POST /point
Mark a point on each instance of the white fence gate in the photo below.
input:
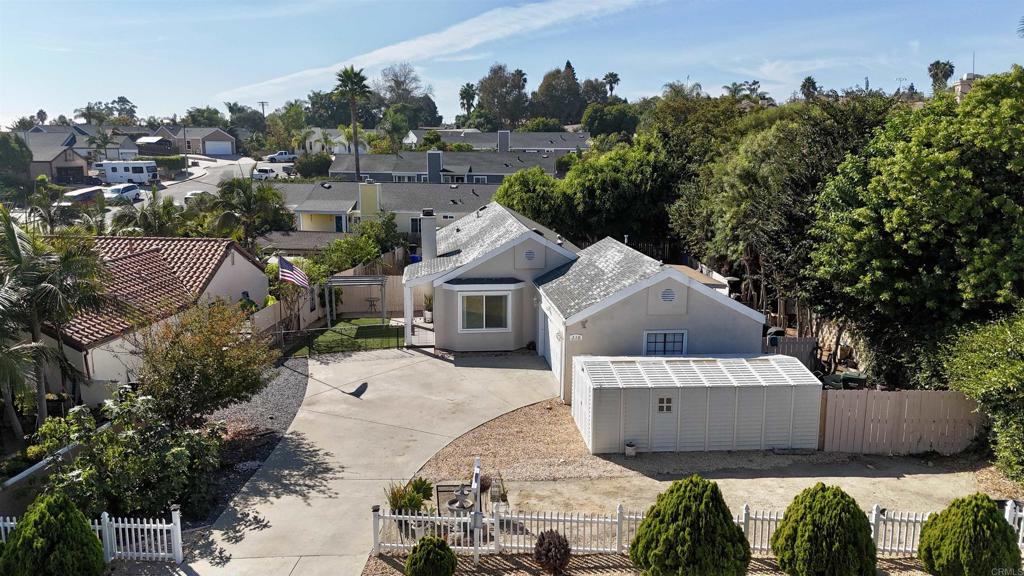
(140, 539)
(896, 534)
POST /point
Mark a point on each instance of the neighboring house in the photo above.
(503, 282)
(437, 167)
(314, 143)
(121, 147)
(298, 242)
(54, 156)
(339, 206)
(199, 140)
(151, 279)
(508, 141)
(962, 86)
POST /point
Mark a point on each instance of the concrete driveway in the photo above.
(367, 418)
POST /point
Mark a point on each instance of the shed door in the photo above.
(664, 419)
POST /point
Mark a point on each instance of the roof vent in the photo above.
(369, 180)
(326, 185)
(558, 240)
(454, 201)
(543, 155)
(538, 231)
(453, 186)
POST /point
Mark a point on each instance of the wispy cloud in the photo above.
(495, 24)
(465, 57)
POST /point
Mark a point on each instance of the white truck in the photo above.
(280, 156)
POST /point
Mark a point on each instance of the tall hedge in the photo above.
(824, 532)
(969, 538)
(431, 556)
(313, 165)
(689, 530)
(168, 163)
(52, 539)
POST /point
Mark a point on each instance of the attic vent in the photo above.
(453, 186)
(668, 295)
(529, 255)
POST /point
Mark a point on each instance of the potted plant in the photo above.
(428, 308)
(630, 449)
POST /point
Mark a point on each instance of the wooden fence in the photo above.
(901, 422)
(800, 348)
(138, 539)
(896, 534)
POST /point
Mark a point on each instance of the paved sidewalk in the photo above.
(307, 511)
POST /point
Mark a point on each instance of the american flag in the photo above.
(288, 272)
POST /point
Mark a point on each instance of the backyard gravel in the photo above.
(253, 430)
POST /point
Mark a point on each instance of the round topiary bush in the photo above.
(52, 539)
(824, 532)
(431, 556)
(552, 552)
(969, 537)
(690, 530)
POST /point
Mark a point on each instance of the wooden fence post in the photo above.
(179, 556)
(620, 519)
(497, 529)
(376, 529)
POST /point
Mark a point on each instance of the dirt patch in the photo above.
(603, 565)
(545, 465)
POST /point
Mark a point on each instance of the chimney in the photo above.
(504, 138)
(369, 200)
(428, 234)
(435, 162)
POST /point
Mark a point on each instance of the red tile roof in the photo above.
(193, 260)
(145, 289)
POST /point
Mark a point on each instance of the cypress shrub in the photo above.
(824, 532)
(52, 539)
(690, 531)
(969, 538)
(431, 556)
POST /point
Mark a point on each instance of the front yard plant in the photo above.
(689, 530)
(552, 552)
(403, 498)
(53, 538)
(970, 538)
(431, 556)
(823, 531)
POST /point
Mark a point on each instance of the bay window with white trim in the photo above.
(485, 311)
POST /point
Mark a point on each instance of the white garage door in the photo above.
(215, 148)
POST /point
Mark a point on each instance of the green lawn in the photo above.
(352, 334)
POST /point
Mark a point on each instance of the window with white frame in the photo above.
(484, 312)
(665, 343)
(480, 179)
(665, 404)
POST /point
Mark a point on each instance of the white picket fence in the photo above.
(896, 534)
(139, 539)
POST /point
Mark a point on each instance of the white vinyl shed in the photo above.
(695, 404)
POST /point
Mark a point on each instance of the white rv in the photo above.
(134, 171)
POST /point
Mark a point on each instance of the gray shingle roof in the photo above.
(468, 238)
(517, 140)
(194, 131)
(46, 146)
(395, 196)
(416, 162)
(313, 197)
(599, 271)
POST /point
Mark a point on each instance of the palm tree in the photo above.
(685, 89)
(246, 208)
(809, 88)
(44, 212)
(940, 73)
(351, 135)
(41, 116)
(16, 355)
(100, 141)
(611, 79)
(159, 217)
(352, 87)
(92, 114)
(734, 89)
(56, 278)
(467, 97)
(327, 142)
(300, 138)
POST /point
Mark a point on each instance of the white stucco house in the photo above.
(501, 281)
(151, 279)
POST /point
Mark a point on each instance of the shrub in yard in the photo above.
(423, 487)
(312, 165)
(824, 532)
(52, 539)
(690, 530)
(970, 537)
(402, 497)
(431, 556)
(552, 552)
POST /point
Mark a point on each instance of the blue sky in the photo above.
(168, 55)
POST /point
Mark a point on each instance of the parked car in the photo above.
(129, 192)
(192, 195)
(280, 156)
(264, 174)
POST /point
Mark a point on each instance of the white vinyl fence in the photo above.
(140, 539)
(896, 534)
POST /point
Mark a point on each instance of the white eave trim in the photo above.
(667, 272)
(484, 287)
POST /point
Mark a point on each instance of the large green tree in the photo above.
(559, 95)
(925, 228)
(501, 96)
(248, 210)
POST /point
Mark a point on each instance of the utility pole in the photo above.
(263, 107)
(901, 80)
